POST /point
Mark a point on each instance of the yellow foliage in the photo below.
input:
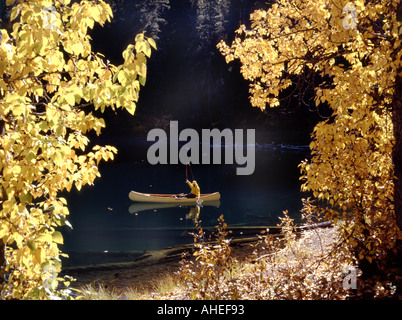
(48, 75)
(355, 46)
(287, 266)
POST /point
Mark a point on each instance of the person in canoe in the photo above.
(195, 189)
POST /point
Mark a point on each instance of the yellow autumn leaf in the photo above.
(53, 74)
(351, 152)
(152, 43)
(130, 107)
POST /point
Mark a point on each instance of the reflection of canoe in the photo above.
(170, 198)
(144, 206)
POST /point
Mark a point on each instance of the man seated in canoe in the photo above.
(195, 189)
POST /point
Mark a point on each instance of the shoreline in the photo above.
(151, 266)
(146, 269)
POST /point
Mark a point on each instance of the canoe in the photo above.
(171, 198)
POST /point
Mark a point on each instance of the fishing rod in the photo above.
(188, 165)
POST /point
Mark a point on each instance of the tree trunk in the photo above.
(3, 260)
(397, 152)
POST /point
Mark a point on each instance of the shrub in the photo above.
(289, 266)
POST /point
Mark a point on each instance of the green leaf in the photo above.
(15, 11)
(31, 245)
(142, 80)
(43, 126)
(30, 156)
(25, 198)
(57, 237)
(38, 46)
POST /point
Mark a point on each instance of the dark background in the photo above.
(188, 79)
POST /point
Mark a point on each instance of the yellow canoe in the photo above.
(171, 198)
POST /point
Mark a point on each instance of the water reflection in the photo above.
(194, 212)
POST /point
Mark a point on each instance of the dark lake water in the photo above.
(108, 228)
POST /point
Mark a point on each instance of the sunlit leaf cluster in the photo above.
(51, 86)
(349, 53)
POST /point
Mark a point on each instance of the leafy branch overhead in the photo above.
(350, 54)
(50, 83)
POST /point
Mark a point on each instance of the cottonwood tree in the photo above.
(52, 89)
(350, 53)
